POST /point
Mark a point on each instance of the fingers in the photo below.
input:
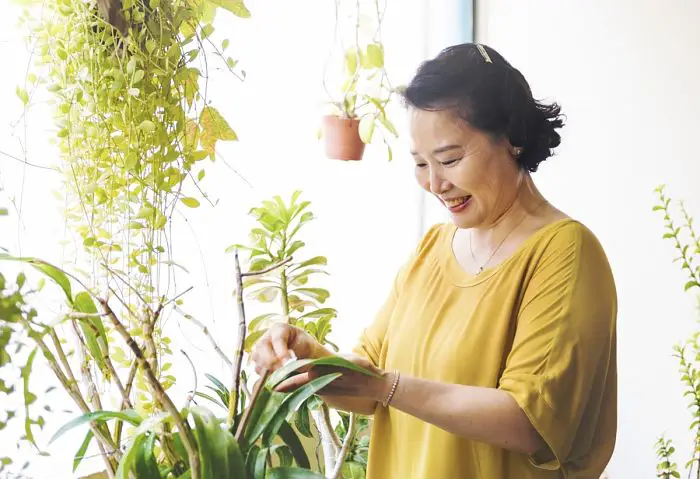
(272, 349)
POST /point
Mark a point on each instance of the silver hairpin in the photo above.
(484, 53)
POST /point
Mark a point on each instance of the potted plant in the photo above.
(357, 111)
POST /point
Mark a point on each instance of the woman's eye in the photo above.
(450, 162)
(421, 165)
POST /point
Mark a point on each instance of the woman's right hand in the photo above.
(276, 346)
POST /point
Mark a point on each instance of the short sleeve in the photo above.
(561, 368)
(372, 338)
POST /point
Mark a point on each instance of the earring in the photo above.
(517, 152)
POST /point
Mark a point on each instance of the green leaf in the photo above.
(375, 55)
(190, 202)
(220, 454)
(29, 397)
(3, 212)
(237, 7)
(207, 30)
(284, 454)
(22, 95)
(366, 128)
(130, 416)
(252, 338)
(128, 461)
(319, 313)
(353, 470)
(264, 409)
(302, 421)
(147, 126)
(292, 473)
(317, 260)
(145, 465)
(81, 452)
(351, 61)
(216, 401)
(331, 361)
(691, 284)
(93, 329)
(292, 403)
(214, 128)
(317, 294)
(56, 274)
(291, 439)
(388, 125)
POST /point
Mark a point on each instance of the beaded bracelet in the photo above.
(387, 401)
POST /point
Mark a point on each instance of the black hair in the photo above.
(479, 86)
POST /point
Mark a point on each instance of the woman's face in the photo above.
(474, 176)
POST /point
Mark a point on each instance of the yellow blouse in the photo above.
(540, 325)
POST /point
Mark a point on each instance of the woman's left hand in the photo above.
(350, 384)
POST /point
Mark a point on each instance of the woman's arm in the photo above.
(481, 414)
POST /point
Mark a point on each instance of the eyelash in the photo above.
(447, 163)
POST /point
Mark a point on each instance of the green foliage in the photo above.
(666, 469)
(275, 239)
(687, 245)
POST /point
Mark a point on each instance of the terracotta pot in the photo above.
(342, 138)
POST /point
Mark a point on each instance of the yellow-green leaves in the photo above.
(366, 129)
(22, 95)
(351, 61)
(214, 128)
(190, 202)
(237, 7)
(375, 55)
(147, 126)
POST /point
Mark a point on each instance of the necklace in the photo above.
(471, 234)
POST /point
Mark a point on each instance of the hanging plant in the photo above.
(358, 109)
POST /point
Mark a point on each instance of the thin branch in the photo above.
(62, 357)
(188, 439)
(327, 422)
(20, 160)
(93, 396)
(329, 448)
(266, 270)
(128, 285)
(211, 339)
(340, 458)
(238, 357)
(81, 316)
(127, 392)
(178, 296)
(192, 392)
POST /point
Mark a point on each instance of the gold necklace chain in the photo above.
(471, 234)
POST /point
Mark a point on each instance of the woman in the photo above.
(496, 347)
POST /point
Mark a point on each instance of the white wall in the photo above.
(627, 75)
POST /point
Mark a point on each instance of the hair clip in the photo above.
(484, 53)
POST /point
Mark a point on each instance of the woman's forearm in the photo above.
(481, 414)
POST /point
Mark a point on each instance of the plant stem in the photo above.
(329, 448)
(62, 356)
(161, 396)
(347, 442)
(214, 345)
(127, 392)
(242, 329)
(238, 357)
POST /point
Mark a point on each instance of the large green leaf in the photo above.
(214, 127)
(56, 274)
(220, 389)
(292, 473)
(316, 260)
(219, 453)
(93, 329)
(145, 465)
(128, 461)
(291, 439)
(302, 421)
(332, 361)
(81, 451)
(292, 403)
(130, 416)
(263, 410)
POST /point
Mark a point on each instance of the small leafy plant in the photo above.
(687, 245)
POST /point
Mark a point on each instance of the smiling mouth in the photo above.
(457, 202)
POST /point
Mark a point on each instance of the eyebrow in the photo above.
(442, 149)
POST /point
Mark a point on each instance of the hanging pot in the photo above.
(342, 138)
